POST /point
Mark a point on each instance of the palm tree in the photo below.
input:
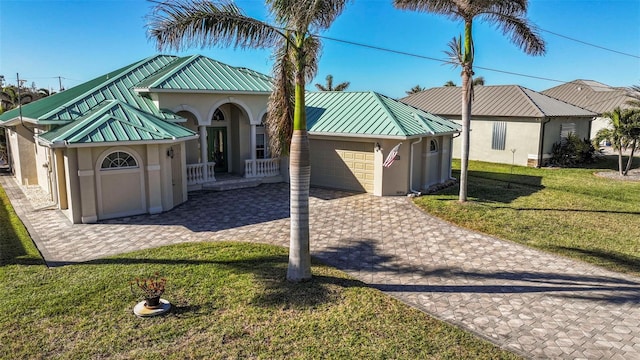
(449, 84)
(623, 134)
(188, 23)
(414, 90)
(478, 81)
(509, 16)
(11, 97)
(329, 86)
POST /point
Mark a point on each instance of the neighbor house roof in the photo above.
(497, 100)
(591, 95)
(369, 114)
(115, 121)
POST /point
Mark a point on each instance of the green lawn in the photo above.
(570, 212)
(230, 301)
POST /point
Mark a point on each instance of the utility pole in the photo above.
(60, 83)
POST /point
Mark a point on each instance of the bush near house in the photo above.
(572, 152)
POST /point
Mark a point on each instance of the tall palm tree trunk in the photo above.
(620, 166)
(299, 268)
(467, 91)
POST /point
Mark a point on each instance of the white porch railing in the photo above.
(200, 173)
(262, 167)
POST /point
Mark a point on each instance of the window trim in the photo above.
(120, 164)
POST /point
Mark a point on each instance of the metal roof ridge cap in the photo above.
(101, 85)
(423, 123)
(164, 77)
(388, 111)
(535, 105)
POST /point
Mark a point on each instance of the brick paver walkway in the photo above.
(530, 302)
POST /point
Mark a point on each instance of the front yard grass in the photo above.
(230, 300)
(570, 212)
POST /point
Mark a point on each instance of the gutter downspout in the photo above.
(542, 132)
(413, 192)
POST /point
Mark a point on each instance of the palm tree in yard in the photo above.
(186, 23)
(330, 87)
(623, 134)
(508, 16)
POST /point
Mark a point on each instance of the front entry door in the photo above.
(217, 142)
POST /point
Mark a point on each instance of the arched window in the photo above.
(217, 115)
(433, 146)
(119, 160)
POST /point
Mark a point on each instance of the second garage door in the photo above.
(342, 165)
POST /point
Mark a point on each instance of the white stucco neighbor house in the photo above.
(138, 139)
(509, 123)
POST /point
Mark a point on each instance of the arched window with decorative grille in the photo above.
(118, 160)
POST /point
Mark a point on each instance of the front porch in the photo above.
(256, 171)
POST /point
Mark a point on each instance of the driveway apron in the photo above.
(536, 304)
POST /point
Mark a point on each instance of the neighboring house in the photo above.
(593, 96)
(352, 133)
(509, 123)
(136, 140)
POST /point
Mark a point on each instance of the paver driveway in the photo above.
(530, 302)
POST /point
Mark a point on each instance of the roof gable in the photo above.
(369, 114)
(115, 121)
(200, 73)
(500, 100)
(591, 95)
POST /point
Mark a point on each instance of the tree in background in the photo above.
(414, 90)
(185, 23)
(507, 15)
(449, 84)
(329, 85)
(623, 134)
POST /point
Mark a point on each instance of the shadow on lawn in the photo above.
(485, 186)
(269, 273)
(12, 251)
(362, 256)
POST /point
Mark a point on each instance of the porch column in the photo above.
(204, 151)
(252, 141)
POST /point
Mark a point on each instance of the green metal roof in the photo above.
(370, 114)
(114, 108)
(200, 73)
(70, 104)
(115, 121)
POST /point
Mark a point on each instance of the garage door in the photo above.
(342, 165)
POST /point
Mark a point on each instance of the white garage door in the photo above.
(342, 165)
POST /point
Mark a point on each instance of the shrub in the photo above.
(572, 151)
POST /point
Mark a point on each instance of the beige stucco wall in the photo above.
(396, 177)
(204, 105)
(522, 135)
(43, 167)
(93, 194)
(23, 154)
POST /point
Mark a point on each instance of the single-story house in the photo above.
(352, 133)
(510, 124)
(594, 96)
(138, 139)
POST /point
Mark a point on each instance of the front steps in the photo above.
(231, 184)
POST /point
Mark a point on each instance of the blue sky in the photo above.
(80, 40)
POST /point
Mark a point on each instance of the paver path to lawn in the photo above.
(530, 302)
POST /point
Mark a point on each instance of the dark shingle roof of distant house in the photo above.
(370, 114)
(495, 100)
(591, 95)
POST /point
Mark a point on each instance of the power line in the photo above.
(589, 44)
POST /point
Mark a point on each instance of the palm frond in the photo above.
(455, 55)
(448, 8)
(518, 29)
(279, 124)
(188, 23)
(342, 86)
